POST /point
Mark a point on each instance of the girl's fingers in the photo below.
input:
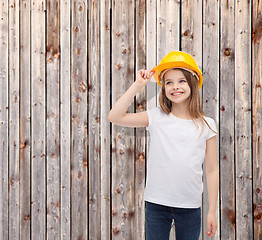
(145, 73)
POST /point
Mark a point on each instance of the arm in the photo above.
(118, 113)
(212, 174)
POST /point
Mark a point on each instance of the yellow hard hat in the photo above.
(177, 59)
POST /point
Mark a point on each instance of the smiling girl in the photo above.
(181, 138)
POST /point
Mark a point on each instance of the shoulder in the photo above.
(211, 128)
(154, 114)
(209, 120)
(156, 110)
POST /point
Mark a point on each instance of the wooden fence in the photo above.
(66, 172)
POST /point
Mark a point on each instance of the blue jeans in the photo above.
(159, 220)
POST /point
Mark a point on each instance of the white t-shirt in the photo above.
(176, 155)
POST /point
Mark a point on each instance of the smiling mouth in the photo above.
(176, 94)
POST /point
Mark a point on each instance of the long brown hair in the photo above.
(194, 105)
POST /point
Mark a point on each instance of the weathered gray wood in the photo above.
(24, 97)
(168, 18)
(65, 119)
(151, 56)
(226, 138)
(122, 137)
(79, 128)
(243, 100)
(25, 122)
(52, 120)
(257, 116)
(210, 70)
(13, 65)
(38, 156)
(104, 123)
(4, 119)
(140, 151)
(94, 121)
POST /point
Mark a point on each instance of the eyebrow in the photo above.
(178, 79)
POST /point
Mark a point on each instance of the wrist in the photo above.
(137, 86)
(212, 212)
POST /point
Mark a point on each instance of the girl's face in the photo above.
(176, 86)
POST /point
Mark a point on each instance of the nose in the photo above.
(175, 86)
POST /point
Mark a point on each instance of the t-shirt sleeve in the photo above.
(152, 114)
(213, 125)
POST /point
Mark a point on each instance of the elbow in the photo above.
(114, 119)
(109, 118)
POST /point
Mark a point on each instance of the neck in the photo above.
(181, 110)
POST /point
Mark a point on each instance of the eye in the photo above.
(167, 83)
(183, 80)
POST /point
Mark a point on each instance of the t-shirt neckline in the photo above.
(182, 119)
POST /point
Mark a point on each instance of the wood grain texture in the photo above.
(227, 121)
(4, 104)
(79, 125)
(13, 66)
(94, 121)
(257, 116)
(38, 117)
(52, 119)
(243, 101)
(64, 172)
(25, 121)
(105, 68)
(123, 205)
(65, 119)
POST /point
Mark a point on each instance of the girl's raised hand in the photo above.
(143, 77)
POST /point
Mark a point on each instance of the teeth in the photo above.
(176, 94)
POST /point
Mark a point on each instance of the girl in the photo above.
(181, 137)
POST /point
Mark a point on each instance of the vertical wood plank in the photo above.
(168, 20)
(65, 118)
(191, 32)
(244, 211)
(79, 140)
(227, 149)
(151, 55)
(211, 86)
(4, 119)
(94, 120)
(52, 120)
(25, 121)
(13, 69)
(257, 115)
(105, 69)
(122, 137)
(140, 43)
(38, 81)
